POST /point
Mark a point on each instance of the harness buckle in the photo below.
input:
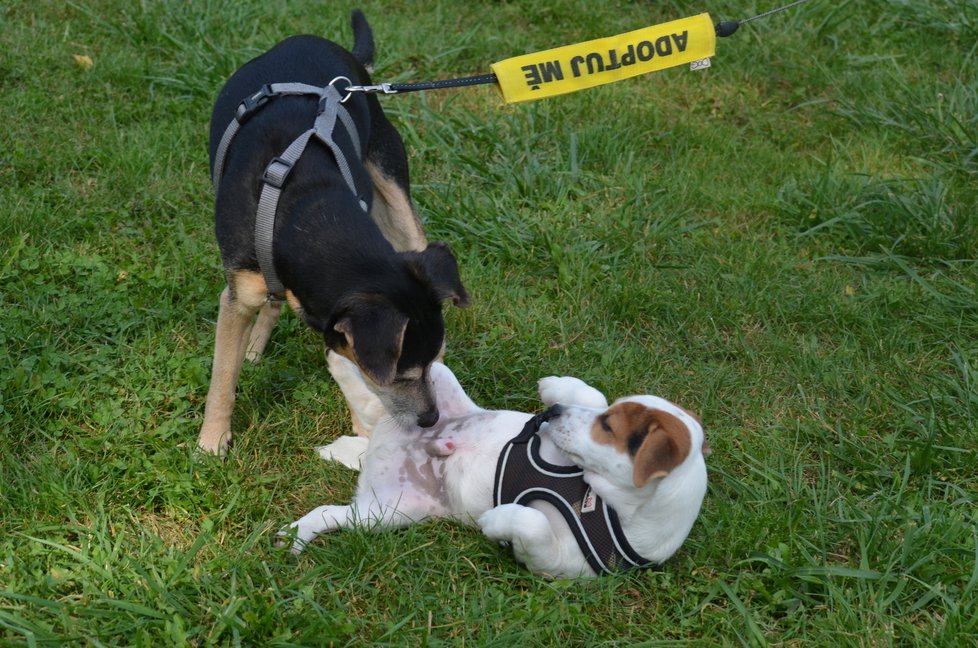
(251, 103)
(277, 172)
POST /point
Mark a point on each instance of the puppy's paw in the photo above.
(498, 523)
(322, 519)
(346, 450)
(294, 538)
(570, 391)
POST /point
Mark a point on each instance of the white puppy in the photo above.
(632, 474)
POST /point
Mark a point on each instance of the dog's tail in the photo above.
(363, 40)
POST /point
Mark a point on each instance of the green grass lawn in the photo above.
(785, 243)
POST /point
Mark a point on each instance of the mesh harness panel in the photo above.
(522, 476)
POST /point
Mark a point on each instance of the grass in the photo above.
(785, 244)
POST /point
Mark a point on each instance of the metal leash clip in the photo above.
(384, 88)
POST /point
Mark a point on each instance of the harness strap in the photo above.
(275, 175)
(277, 171)
(246, 109)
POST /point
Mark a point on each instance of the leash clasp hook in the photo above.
(383, 88)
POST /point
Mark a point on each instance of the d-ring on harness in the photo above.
(330, 109)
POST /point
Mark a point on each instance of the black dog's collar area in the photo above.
(523, 476)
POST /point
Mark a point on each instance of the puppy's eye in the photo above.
(603, 420)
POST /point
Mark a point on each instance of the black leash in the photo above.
(723, 29)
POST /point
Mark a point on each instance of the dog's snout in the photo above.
(428, 418)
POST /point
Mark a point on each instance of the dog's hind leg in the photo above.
(452, 400)
(370, 513)
(533, 540)
(261, 332)
(234, 320)
(322, 519)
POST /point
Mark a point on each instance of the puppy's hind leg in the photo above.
(322, 519)
(261, 332)
(365, 512)
(533, 540)
(452, 400)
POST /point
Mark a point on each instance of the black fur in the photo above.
(353, 287)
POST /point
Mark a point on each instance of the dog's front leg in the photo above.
(234, 320)
(534, 542)
(570, 391)
(261, 332)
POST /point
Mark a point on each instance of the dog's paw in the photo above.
(293, 538)
(288, 537)
(214, 441)
(320, 520)
(346, 450)
(570, 391)
(498, 523)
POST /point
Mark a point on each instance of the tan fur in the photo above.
(394, 214)
(248, 289)
(261, 332)
(239, 334)
(665, 445)
(234, 322)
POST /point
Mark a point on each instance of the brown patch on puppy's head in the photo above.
(656, 440)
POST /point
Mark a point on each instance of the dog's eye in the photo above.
(603, 420)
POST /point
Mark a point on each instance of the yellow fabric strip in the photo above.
(604, 60)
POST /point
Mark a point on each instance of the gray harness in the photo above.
(331, 109)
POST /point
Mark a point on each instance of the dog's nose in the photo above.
(429, 418)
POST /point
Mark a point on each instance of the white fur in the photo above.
(410, 474)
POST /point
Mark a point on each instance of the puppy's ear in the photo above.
(437, 268)
(374, 329)
(666, 445)
(705, 449)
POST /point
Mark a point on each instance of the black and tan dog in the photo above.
(347, 247)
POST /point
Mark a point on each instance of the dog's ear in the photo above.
(374, 329)
(666, 445)
(706, 450)
(437, 268)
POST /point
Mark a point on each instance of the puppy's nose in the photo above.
(429, 418)
(553, 411)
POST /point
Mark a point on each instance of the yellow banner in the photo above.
(604, 60)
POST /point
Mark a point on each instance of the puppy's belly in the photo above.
(400, 466)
